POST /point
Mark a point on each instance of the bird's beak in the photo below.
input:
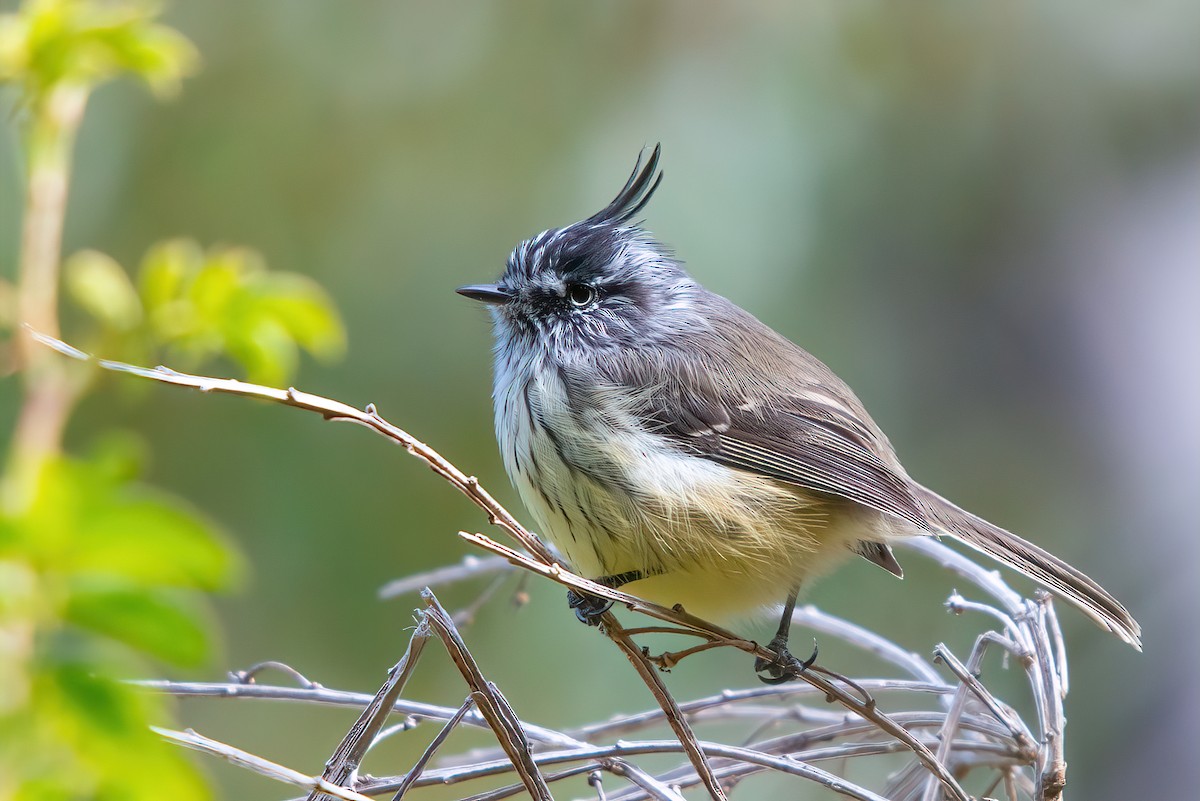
(485, 293)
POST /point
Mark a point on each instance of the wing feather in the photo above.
(796, 440)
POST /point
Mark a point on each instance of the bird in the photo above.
(669, 443)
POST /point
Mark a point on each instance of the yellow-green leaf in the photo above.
(103, 289)
(161, 624)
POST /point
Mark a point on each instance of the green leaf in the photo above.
(151, 538)
(87, 731)
(155, 622)
(88, 518)
(49, 44)
(304, 309)
(214, 288)
(263, 347)
(117, 455)
(103, 289)
(227, 303)
(165, 269)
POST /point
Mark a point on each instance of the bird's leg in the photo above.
(589, 608)
(784, 667)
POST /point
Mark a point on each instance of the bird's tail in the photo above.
(1041, 566)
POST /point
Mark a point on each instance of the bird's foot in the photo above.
(784, 667)
(588, 608)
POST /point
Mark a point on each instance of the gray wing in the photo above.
(792, 439)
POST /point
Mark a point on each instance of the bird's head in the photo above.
(596, 284)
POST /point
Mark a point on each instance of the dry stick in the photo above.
(1052, 773)
(330, 410)
(500, 716)
(968, 675)
(738, 770)
(650, 786)
(957, 706)
(466, 616)
(849, 728)
(250, 674)
(499, 516)
(342, 767)
(508, 791)
(742, 767)
(596, 781)
(1041, 653)
(1010, 786)
(317, 694)
(321, 695)
(253, 762)
(813, 618)
(640, 778)
(419, 767)
(422, 710)
(796, 764)
(1021, 648)
(649, 674)
(641, 720)
(864, 708)
(470, 567)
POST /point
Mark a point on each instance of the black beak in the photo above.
(485, 293)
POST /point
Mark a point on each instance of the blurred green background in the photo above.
(985, 217)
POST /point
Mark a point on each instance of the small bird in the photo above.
(665, 439)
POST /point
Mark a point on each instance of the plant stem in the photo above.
(49, 393)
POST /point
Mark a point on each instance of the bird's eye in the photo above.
(581, 295)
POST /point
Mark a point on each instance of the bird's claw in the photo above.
(588, 608)
(784, 667)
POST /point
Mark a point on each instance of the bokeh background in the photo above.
(984, 216)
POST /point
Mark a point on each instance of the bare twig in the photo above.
(470, 567)
(675, 718)
(795, 764)
(342, 768)
(1052, 765)
(257, 764)
(328, 697)
(987, 580)
(250, 674)
(517, 789)
(411, 777)
(723, 701)
(492, 704)
(466, 616)
(811, 617)
(652, 787)
(856, 705)
(967, 674)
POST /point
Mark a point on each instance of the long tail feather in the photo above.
(1041, 566)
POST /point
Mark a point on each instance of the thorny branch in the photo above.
(973, 731)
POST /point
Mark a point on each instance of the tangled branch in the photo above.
(969, 731)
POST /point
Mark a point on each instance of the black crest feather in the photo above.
(636, 193)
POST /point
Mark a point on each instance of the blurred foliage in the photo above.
(97, 577)
(55, 43)
(103, 577)
(936, 198)
(203, 304)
